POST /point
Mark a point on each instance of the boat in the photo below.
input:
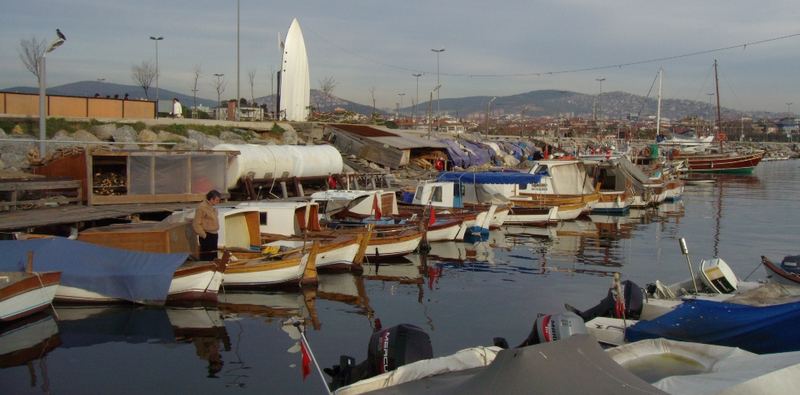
(193, 281)
(553, 359)
(721, 162)
(788, 273)
(26, 293)
(541, 215)
(95, 274)
(562, 182)
(293, 268)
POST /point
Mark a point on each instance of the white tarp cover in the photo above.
(465, 359)
(709, 369)
(281, 161)
(570, 178)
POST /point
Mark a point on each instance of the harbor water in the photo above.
(461, 295)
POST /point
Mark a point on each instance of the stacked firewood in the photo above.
(109, 183)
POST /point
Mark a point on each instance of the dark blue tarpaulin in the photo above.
(489, 177)
(129, 275)
(759, 329)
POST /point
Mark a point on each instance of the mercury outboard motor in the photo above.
(388, 349)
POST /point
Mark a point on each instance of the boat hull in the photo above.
(27, 295)
(730, 164)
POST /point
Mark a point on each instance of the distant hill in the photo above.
(615, 105)
(89, 88)
(324, 103)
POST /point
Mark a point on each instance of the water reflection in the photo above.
(27, 342)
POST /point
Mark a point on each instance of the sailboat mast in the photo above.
(658, 109)
(719, 117)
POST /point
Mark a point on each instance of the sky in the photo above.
(498, 48)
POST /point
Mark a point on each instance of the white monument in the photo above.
(295, 87)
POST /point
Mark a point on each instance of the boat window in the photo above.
(418, 195)
(542, 171)
(437, 194)
(262, 217)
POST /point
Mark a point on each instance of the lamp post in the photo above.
(489, 111)
(42, 94)
(430, 123)
(414, 111)
(156, 39)
(237, 61)
(219, 84)
(598, 109)
(438, 84)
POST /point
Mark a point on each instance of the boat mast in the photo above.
(658, 109)
(719, 118)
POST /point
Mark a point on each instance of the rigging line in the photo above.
(743, 46)
(644, 100)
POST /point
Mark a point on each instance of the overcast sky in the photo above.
(492, 48)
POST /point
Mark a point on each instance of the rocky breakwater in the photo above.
(17, 150)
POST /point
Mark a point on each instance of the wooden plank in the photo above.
(73, 214)
(38, 185)
(132, 199)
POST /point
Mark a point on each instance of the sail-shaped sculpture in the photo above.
(295, 89)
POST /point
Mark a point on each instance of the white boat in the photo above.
(532, 215)
(295, 269)
(23, 294)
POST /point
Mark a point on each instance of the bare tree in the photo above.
(252, 76)
(31, 52)
(197, 71)
(144, 74)
(219, 86)
(327, 85)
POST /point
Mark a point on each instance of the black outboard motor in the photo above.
(388, 349)
(608, 306)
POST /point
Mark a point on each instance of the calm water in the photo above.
(462, 296)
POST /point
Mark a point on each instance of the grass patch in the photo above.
(183, 130)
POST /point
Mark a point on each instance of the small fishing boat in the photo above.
(788, 273)
(294, 268)
(23, 294)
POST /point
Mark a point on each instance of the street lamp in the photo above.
(488, 111)
(237, 61)
(598, 109)
(430, 124)
(414, 113)
(438, 84)
(156, 39)
(42, 87)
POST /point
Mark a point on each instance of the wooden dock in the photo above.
(71, 214)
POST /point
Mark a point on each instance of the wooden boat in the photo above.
(721, 163)
(296, 268)
(562, 182)
(393, 243)
(337, 252)
(99, 274)
(192, 281)
(783, 273)
(542, 215)
(23, 294)
(566, 211)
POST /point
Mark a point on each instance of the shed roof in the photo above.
(394, 138)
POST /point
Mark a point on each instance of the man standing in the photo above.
(177, 108)
(206, 225)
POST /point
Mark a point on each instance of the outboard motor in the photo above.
(388, 349)
(633, 298)
(552, 327)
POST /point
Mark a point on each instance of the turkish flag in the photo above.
(376, 208)
(432, 219)
(306, 363)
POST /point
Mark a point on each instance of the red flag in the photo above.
(306, 364)
(376, 208)
(432, 220)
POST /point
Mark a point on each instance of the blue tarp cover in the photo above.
(759, 329)
(489, 177)
(133, 276)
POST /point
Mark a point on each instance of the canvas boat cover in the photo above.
(759, 329)
(138, 277)
(633, 172)
(575, 365)
(489, 177)
(694, 368)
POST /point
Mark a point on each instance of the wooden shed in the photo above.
(163, 237)
(139, 176)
